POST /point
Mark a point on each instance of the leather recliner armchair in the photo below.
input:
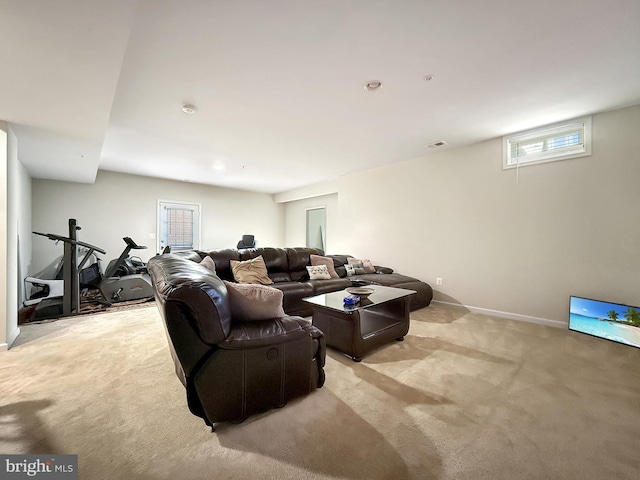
(231, 370)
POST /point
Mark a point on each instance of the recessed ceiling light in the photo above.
(188, 109)
(218, 166)
(428, 78)
(440, 143)
(373, 85)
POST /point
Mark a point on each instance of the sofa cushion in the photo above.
(294, 292)
(222, 259)
(274, 258)
(320, 260)
(389, 280)
(299, 258)
(327, 286)
(250, 271)
(339, 261)
(254, 302)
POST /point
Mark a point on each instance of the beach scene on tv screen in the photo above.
(619, 323)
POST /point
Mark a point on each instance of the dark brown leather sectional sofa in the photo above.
(233, 369)
(287, 268)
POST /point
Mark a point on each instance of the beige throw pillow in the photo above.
(318, 272)
(250, 271)
(254, 302)
(318, 260)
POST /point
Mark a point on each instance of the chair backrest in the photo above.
(194, 307)
(248, 241)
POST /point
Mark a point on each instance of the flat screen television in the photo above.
(612, 321)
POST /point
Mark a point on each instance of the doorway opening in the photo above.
(316, 228)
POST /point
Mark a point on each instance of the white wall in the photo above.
(15, 221)
(25, 237)
(4, 274)
(296, 219)
(18, 220)
(567, 228)
(120, 205)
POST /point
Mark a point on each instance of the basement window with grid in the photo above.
(561, 141)
(178, 226)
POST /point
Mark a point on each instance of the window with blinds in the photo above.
(548, 144)
(178, 226)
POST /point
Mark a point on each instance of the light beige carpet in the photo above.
(466, 396)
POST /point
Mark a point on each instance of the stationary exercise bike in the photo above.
(126, 278)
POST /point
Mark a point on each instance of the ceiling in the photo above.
(278, 85)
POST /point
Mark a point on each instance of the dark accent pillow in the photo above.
(354, 269)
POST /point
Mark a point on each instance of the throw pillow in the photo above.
(318, 272)
(354, 269)
(366, 264)
(250, 271)
(254, 302)
(318, 260)
(209, 263)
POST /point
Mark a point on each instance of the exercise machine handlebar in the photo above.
(58, 238)
(133, 245)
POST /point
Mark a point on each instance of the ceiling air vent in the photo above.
(441, 143)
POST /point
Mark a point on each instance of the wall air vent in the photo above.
(441, 143)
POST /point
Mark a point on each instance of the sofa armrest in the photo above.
(318, 336)
(248, 375)
(263, 333)
(385, 270)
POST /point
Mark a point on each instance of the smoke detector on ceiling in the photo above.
(440, 143)
(373, 85)
(188, 109)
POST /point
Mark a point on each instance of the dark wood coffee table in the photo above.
(380, 318)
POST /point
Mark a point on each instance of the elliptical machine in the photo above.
(126, 278)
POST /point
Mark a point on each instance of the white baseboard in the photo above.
(12, 338)
(512, 316)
